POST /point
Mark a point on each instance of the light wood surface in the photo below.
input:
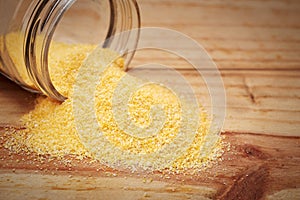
(255, 44)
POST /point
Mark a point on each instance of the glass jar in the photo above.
(25, 61)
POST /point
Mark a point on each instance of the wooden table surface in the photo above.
(256, 46)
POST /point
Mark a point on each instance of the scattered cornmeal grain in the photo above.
(50, 127)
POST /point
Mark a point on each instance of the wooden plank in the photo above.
(269, 100)
(226, 59)
(244, 35)
(255, 166)
(14, 102)
(264, 101)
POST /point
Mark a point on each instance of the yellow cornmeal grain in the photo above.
(13, 42)
(64, 61)
(139, 107)
(50, 127)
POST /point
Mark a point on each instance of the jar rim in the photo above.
(43, 21)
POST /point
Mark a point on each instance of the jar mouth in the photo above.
(43, 21)
(123, 33)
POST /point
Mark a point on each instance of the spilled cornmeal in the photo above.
(50, 128)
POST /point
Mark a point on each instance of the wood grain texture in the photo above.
(244, 34)
(255, 44)
(254, 167)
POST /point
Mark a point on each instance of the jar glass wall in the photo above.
(28, 27)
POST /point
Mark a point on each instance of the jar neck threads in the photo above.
(41, 24)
